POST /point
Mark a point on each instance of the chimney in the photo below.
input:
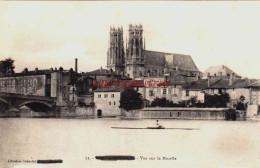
(208, 79)
(76, 65)
(231, 79)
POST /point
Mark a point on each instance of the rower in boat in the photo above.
(158, 125)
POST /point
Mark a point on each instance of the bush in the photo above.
(216, 100)
(163, 102)
(210, 101)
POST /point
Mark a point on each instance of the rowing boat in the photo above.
(154, 128)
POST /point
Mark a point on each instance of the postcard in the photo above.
(120, 84)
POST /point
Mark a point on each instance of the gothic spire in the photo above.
(144, 43)
(126, 43)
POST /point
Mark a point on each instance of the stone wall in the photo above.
(184, 113)
(77, 112)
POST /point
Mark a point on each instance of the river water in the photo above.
(216, 144)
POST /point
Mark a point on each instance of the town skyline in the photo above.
(76, 30)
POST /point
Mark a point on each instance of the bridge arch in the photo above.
(38, 106)
(4, 101)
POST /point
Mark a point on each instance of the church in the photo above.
(134, 61)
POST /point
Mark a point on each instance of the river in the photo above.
(216, 144)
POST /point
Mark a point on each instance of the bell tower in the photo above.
(134, 57)
(115, 53)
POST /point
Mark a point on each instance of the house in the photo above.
(149, 93)
(195, 89)
(219, 71)
(84, 91)
(175, 90)
(104, 74)
(254, 88)
(254, 99)
(234, 87)
(174, 87)
(107, 101)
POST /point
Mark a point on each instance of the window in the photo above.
(106, 96)
(35, 82)
(164, 91)
(151, 93)
(233, 95)
(211, 91)
(112, 95)
(220, 91)
(114, 103)
(99, 95)
(109, 103)
(187, 93)
(31, 82)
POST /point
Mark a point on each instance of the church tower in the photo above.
(115, 53)
(134, 57)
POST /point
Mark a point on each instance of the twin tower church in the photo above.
(134, 61)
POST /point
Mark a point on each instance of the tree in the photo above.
(131, 99)
(7, 66)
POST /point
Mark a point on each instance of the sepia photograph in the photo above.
(129, 84)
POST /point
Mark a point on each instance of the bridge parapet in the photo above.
(16, 101)
(21, 96)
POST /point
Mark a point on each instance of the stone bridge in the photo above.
(11, 102)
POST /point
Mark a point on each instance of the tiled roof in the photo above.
(99, 72)
(177, 79)
(111, 89)
(154, 58)
(38, 72)
(183, 62)
(237, 83)
(197, 85)
(219, 83)
(255, 83)
(216, 69)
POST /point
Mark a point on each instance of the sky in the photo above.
(52, 34)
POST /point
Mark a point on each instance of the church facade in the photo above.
(134, 61)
